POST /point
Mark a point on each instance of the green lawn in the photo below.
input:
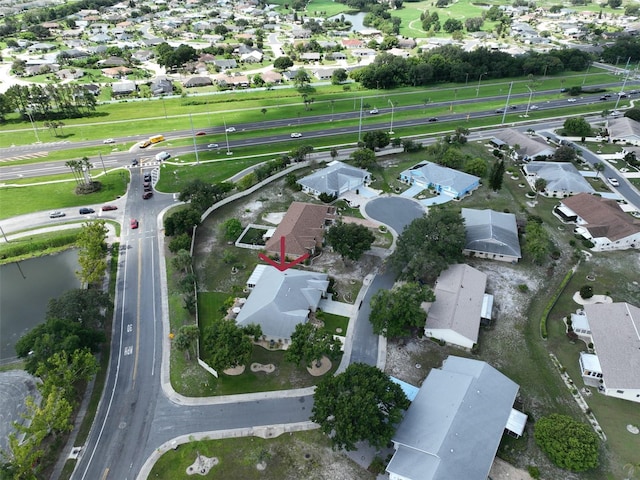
(334, 322)
(37, 244)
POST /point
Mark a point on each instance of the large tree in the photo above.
(577, 126)
(87, 307)
(428, 245)
(569, 444)
(282, 63)
(363, 158)
(92, 252)
(394, 312)
(202, 195)
(181, 221)
(360, 404)
(496, 176)
(376, 139)
(350, 240)
(226, 345)
(309, 343)
(537, 243)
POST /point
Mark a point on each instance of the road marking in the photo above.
(135, 362)
(106, 472)
(26, 156)
(128, 350)
(129, 328)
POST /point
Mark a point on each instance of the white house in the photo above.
(491, 234)
(563, 179)
(624, 130)
(454, 425)
(443, 180)
(525, 147)
(601, 221)
(335, 179)
(456, 314)
(614, 367)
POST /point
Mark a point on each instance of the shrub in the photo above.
(533, 471)
(569, 444)
(552, 302)
(586, 291)
(523, 287)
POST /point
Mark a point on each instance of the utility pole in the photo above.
(504, 114)
(103, 168)
(195, 145)
(360, 124)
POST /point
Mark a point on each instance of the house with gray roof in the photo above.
(563, 178)
(443, 180)
(336, 179)
(624, 130)
(491, 234)
(460, 305)
(454, 426)
(281, 300)
(525, 147)
(614, 365)
(126, 87)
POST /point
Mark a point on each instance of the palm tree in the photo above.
(539, 186)
(74, 166)
(598, 167)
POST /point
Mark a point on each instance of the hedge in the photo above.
(552, 302)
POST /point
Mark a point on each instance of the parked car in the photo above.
(433, 119)
(57, 214)
(147, 177)
(230, 129)
(613, 181)
(571, 100)
(86, 210)
(296, 135)
(134, 223)
(147, 195)
(163, 156)
(108, 140)
(147, 188)
(374, 111)
(107, 208)
(212, 145)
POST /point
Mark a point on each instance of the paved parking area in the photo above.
(15, 386)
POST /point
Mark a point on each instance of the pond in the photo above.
(356, 20)
(25, 290)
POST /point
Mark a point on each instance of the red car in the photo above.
(107, 208)
(147, 195)
(200, 134)
(134, 223)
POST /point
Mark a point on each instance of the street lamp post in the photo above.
(226, 136)
(33, 125)
(478, 88)
(585, 75)
(526, 114)
(195, 146)
(391, 126)
(360, 122)
(466, 80)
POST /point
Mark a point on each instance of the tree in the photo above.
(282, 63)
(598, 167)
(350, 240)
(633, 114)
(309, 343)
(451, 25)
(202, 195)
(92, 252)
(376, 139)
(86, 307)
(577, 126)
(301, 79)
(394, 312)
(185, 339)
(615, 3)
(460, 136)
(361, 403)
(496, 176)
(339, 76)
(473, 24)
(453, 158)
(569, 444)
(181, 221)
(428, 245)
(64, 371)
(539, 185)
(537, 243)
(182, 261)
(586, 291)
(225, 345)
(180, 242)
(363, 158)
(564, 153)
(476, 166)
(231, 229)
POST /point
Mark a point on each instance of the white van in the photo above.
(162, 156)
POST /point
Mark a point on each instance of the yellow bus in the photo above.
(156, 138)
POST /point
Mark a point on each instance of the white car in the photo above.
(296, 135)
(571, 100)
(374, 111)
(163, 156)
(212, 145)
(534, 107)
(230, 129)
(613, 182)
(108, 140)
(57, 214)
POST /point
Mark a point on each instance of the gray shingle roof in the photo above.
(492, 232)
(453, 428)
(560, 176)
(281, 300)
(432, 173)
(336, 178)
(530, 147)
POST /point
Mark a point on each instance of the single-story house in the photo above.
(311, 57)
(198, 82)
(454, 425)
(614, 367)
(226, 63)
(116, 72)
(460, 306)
(563, 178)
(161, 86)
(272, 77)
(281, 300)
(123, 88)
(112, 62)
(525, 147)
(302, 228)
(335, 179)
(624, 130)
(491, 234)
(442, 179)
(601, 221)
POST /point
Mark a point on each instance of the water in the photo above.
(356, 20)
(23, 301)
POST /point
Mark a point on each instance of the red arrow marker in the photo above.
(283, 265)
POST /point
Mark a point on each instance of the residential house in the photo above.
(197, 82)
(254, 56)
(123, 88)
(272, 77)
(302, 228)
(335, 179)
(601, 221)
(112, 62)
(281, 300)
(454, 425)
(311, 57)
(525, 147)
(443, 180)
(491, 234)
(70, 73)
(563, 178)
(116, 72)
(614, 365)
(352, 43)
(92, 88)
(624, 130)
(226, 63)
(460, 306)
(336, 56)
(161, 86)
(41, 47)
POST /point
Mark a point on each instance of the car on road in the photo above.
(296, 135)
(147, 177)
(603, 97)
(163, 156)
(571, 100)
(135, 162)
(607, 95)
(108, 140)
(134, 223)
(147, 188)
(534, 107)
(57, 214)
(230, 129)
(107, 208)
(500, 110)
(212, 145)
(86, 210)
(433, 119)
(200, 133)
(374, 111)
(147, 195)
(613, 181)
(513, 107)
